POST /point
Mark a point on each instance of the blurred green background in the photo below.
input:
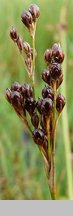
(22, 174)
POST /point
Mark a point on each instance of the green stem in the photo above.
(64, 114)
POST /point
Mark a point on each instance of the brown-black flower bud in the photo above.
(60, 103)
(16, 99)
(15, 86)
(48, 92)
(47, 106)
(57, 53)
(13, 34)
(30, 105)
(39, 137)
(35, 120)
(26, 90)
(48, 56)
(39, 105)
(46, 76)
(8, 95)
(27, 19)
(55, 70)
(35, 12)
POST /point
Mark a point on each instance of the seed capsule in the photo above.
(30, 105)
(26, 90)
(46, 76)
(55, 70)
(16, 99)
(35, 120)
(39, 106)
(57, 53)
(60, 103)
(13, 34)
(48, 92)
(15, 86)
(39, 137)
(35, 12)
(26, 18)
(47, 106)
(48, 56)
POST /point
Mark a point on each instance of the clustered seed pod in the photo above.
(45, 106)
(57, 53)
(39, 138)
(13, 34)
(60, 103)
(53, 58)
(16, 38)
(48, 92)
(21, 96)
(35, 12)
(29, 17)
(24, 48)
(48, 56)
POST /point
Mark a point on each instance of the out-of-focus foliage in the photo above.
(22, 173)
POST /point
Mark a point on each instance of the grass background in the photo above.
(22, 173)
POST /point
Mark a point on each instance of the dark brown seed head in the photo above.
(8, 95)
(16, 99)
(47, 106)
(48, 56)
(57, 53)
(30, 105)
(48, 92)
(26, 90)
(13, 34)
(35, 12)
(39, 137)
(35, 120)
(46, 76)
(60, 103)
(15, 86)
(39, 105)
(55, 70)
(27, 19)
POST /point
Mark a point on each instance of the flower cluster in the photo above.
(21, 97)
(43, 112)
(30, 17)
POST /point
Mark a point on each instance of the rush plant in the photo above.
(45, 111)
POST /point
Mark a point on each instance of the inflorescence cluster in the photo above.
(45, 111)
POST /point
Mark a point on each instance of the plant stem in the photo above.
(53, 168)
(64, 114)
(33, 62)
(51, 151)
